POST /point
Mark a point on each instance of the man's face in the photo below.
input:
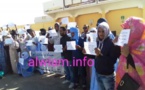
(32, 34)
(62, 33)
(85, 29)
(43, 33)
(56, 27)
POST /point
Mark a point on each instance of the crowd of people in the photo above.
(130, 73)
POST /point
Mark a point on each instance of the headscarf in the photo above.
(106, 29)
(137, 50)
(76, 33)
(22, 34)
(104, 20)
(93, 29)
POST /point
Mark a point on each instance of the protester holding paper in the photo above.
(77, 54)
(34, 39)
(86, 31)
(55, 39)
(93, 35)
(67, 54)
(43, 40)
(22, 40)
(94, 84)
(100, 20)
(134, 53)
(105, 58)
(13, 51)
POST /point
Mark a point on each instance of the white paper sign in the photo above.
(71, 45)
(8, 41)
(4, 26)
(90, 47)
(29, 43)
(93, 37)
(52, 33)
(11, 24)
(71, 24)
(41, 38)
(123, 37)
(65, 20)
(21, 31)
(4, 33)
(68, 2)
(44, 41)
(58, 48)
(37, 33)
(21, 61)
(1, 38)
(27, 27)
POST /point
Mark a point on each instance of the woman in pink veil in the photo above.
(136, 49)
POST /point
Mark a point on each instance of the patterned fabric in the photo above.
(137, 50)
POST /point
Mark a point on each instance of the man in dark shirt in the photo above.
(67, 54)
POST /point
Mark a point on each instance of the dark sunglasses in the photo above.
(93, 31)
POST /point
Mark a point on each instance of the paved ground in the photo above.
(36, 82)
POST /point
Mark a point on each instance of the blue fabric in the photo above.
(116, 65)
(111, 36)
(39, 46)
(25, 69)
(79, 70)
(76, 33)
(28, 48)
(69, 71)
(78, 53)
(94, 84)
